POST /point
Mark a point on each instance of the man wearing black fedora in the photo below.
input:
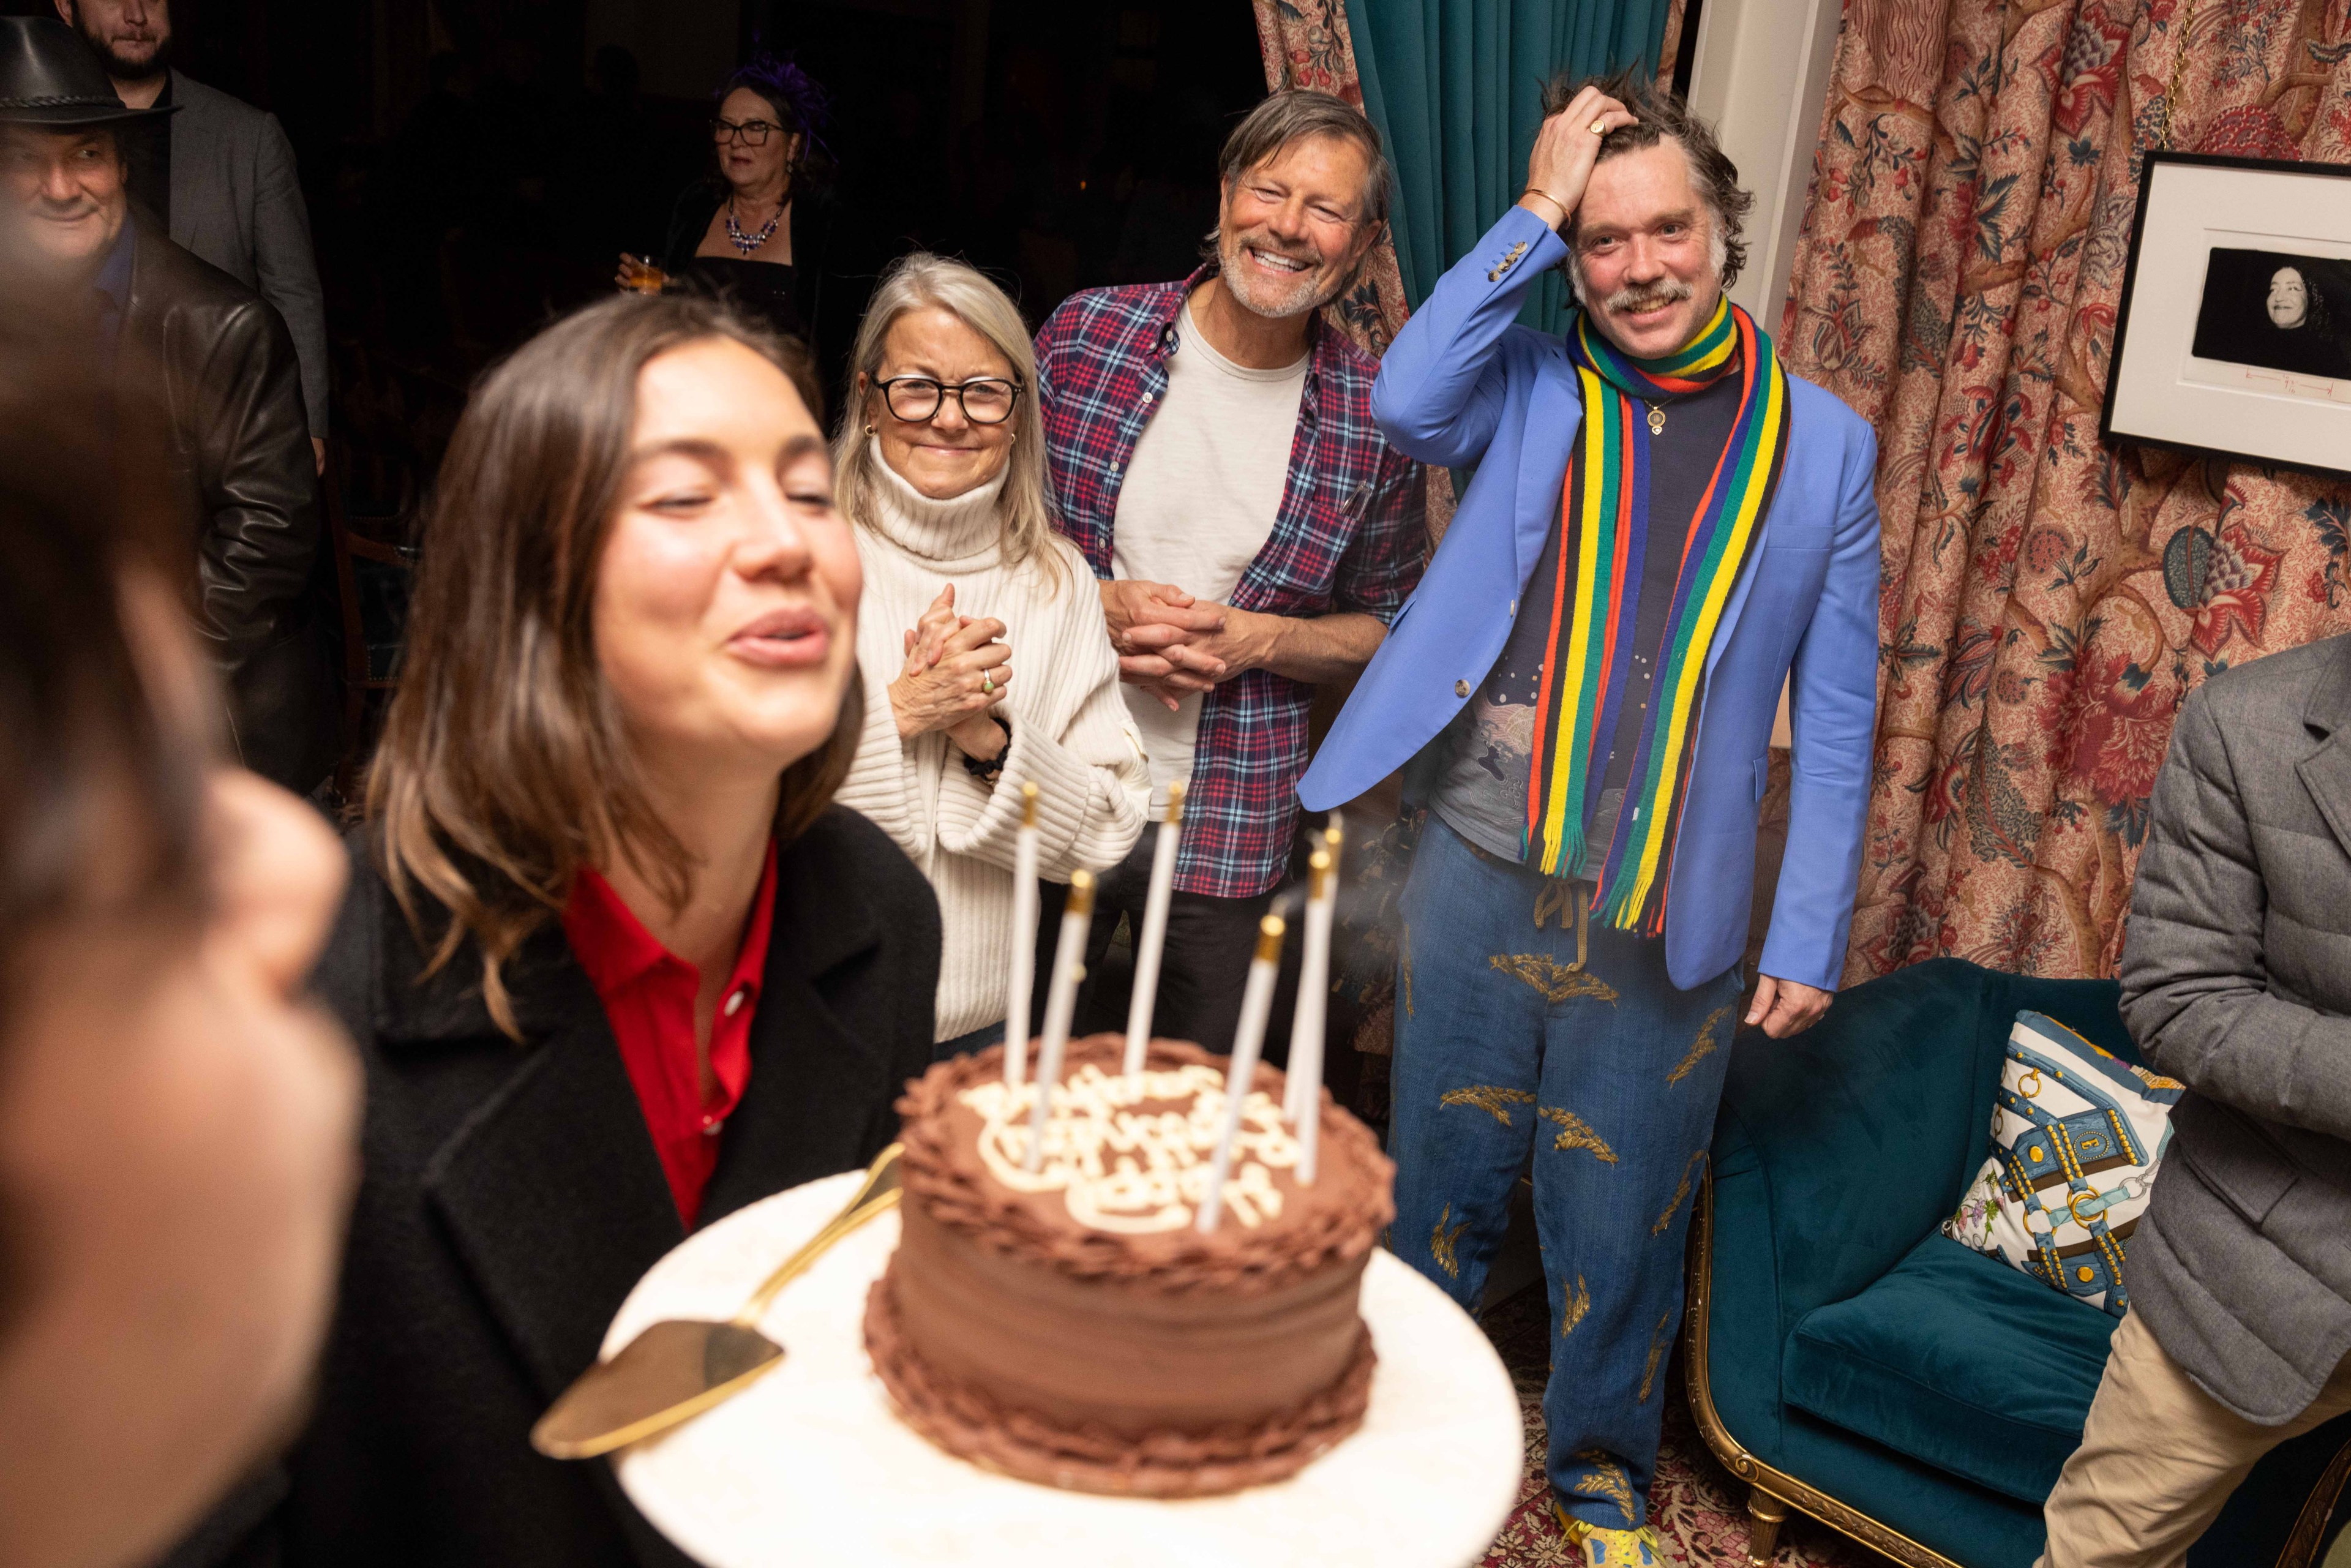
(195, 350)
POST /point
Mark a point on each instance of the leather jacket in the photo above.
(219, 361)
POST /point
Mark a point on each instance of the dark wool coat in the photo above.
(512, 1196)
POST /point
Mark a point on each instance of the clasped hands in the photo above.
(956, 672)
(1173, 645)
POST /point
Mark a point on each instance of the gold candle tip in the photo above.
(1028, 805)
(1175, 805)
(1082, 893)
(1317, 880)
(1270, 932)
(1335, 835)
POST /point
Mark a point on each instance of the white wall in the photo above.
(1761, 74)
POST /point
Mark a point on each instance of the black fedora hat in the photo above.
(49, 76)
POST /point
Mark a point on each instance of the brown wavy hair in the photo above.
(505, 766)
(1658, 115)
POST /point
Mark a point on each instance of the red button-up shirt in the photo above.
(647, 994)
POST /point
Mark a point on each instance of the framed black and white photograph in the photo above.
(2234, 333)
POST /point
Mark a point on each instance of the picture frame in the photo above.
(2232, 337)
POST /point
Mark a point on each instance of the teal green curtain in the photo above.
(1456, 88)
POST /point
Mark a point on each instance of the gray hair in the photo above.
(912, 283)
(1295, 114)
(1659, 116)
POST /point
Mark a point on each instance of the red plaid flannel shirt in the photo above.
(1350, 537)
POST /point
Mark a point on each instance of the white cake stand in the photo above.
(809, 1467)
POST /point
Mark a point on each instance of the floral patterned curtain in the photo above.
(2046, 602)
(1305, 43)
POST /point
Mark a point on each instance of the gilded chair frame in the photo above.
(1771, 1492)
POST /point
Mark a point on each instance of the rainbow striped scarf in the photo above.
(1606, 512)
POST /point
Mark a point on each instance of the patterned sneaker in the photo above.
(1598, 1548)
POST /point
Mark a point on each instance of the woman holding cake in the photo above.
(942, 461)
(614, 964)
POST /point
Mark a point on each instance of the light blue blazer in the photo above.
(1463, 384)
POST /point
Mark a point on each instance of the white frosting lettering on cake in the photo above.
(1124, 1168)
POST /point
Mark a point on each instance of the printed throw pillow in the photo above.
(2076, 1134)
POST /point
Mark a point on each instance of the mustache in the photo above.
(1633, 299)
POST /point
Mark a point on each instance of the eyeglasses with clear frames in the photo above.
(751, 132)
(984, 399)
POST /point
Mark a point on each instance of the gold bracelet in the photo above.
(1546, 195)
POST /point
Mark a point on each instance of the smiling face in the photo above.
(947, 454)
(2289, 301)
(65, 191)
(1646, 265)
(726, 600)
(745, 167)
(1291, 232)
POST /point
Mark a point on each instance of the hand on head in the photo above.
(1567, 146)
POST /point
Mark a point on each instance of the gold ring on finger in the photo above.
(988, 685)
(1600, 128)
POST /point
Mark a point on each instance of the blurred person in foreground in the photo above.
(1665, 527)
(181, 335)
(2236, 979)
(615, 963)
(218, 174)
(1214, 456)
(177, 1123)
(754, 230)
(962, 567)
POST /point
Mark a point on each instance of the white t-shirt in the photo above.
(1198, 503)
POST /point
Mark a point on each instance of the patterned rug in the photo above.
(1699, 1511)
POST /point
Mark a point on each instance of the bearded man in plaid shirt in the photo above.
(1213, 454)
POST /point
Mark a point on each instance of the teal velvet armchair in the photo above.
(1847, 1359)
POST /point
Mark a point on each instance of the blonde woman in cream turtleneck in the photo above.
(986, 658)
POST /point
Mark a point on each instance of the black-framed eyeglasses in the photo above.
(986, 400)
(751, 132)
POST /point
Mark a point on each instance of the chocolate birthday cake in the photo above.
(1073, 1326)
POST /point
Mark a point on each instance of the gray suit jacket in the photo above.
(237, 202)
(2236, 979)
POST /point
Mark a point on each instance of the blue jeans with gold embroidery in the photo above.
(1505, 1047)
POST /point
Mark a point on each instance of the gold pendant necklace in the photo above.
(1656, 419)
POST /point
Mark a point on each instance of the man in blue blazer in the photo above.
(1663, 528)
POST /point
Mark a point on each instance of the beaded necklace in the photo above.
(745, 243)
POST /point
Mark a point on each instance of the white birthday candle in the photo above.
(1310, 1021)
(1155, 931)
(1302, 1103)
(1249, 1040)
(1060, 1001)
(1018, 984)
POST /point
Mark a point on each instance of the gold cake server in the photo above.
(679, 1367)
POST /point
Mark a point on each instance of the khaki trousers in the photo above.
(2159, 1458)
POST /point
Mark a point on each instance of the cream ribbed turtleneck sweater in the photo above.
(1071, 733)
